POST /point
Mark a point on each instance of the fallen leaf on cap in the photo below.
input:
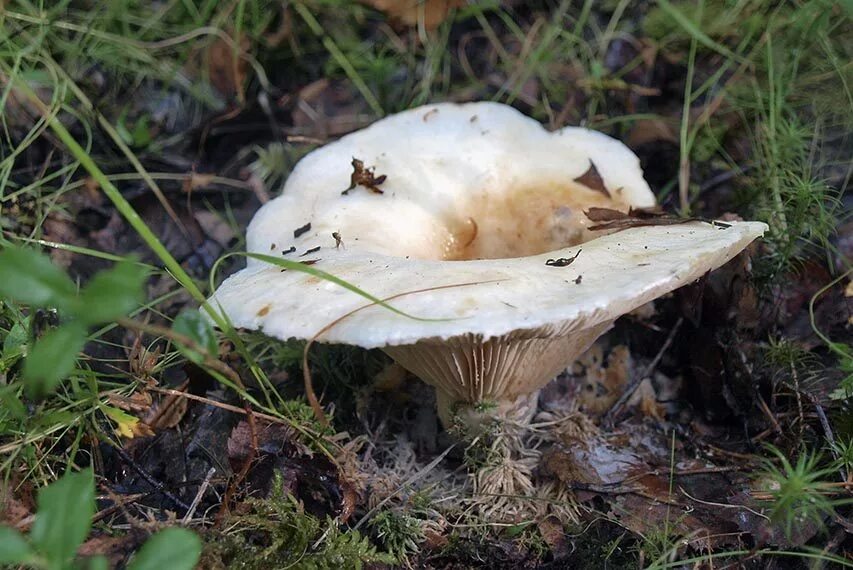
(638, 217)
(592, 180)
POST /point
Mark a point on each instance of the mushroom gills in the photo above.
(508, 370)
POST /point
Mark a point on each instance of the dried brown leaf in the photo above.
(227, 67)
(142, 361)
(272, 438)
(638, 217)
(592, 180)
(136, 402)
(411, 12)
(651, 131)
(168, 412)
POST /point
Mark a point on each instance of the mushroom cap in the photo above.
(476, 180)
(463, 181)
(619, 272)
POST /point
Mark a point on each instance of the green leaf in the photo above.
(98, 563)
(64, 517)
(52, 358)
(173, 548)
(114, 293)
(14, 548)
(29, 277)
(11, 403)
(141, 132)
(125, 423)
(15, 343)
(193, 325)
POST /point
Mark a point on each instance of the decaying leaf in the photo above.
(592, 180)
(312, 478)
(411, 12)
(227, 67)
(127, 425)
(632, 474)
(609, 219)
(651, 131)
(168, 412)
(136, 402)
(551, 531)
(16, 508)
(116, 549)
(142, 361)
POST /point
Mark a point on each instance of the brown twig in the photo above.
(202, 489)
(610, 416)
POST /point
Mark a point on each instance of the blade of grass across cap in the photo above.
(306, 372)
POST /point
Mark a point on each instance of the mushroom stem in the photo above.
(507, 370)
(476, 418)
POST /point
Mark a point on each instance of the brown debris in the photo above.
(136, 402)
(412, 12)
(638, 217)
(275, 448)
(366, 177)
(227, 66)
(592, 180)
(562, 261)
(301, 230)
(168, 412)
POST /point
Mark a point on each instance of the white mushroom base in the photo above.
(477, 379)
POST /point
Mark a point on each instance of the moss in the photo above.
(278, 533)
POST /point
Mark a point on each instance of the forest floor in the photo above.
(139, 138)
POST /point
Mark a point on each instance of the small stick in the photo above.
(201, 491)
(635, 383)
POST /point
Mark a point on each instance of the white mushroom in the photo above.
(475, 200)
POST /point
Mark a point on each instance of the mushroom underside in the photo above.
(506, 371)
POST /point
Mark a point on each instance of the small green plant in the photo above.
(398, 531)
(842, 450)
(62, 523)
(801, 491)
(31, 279)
